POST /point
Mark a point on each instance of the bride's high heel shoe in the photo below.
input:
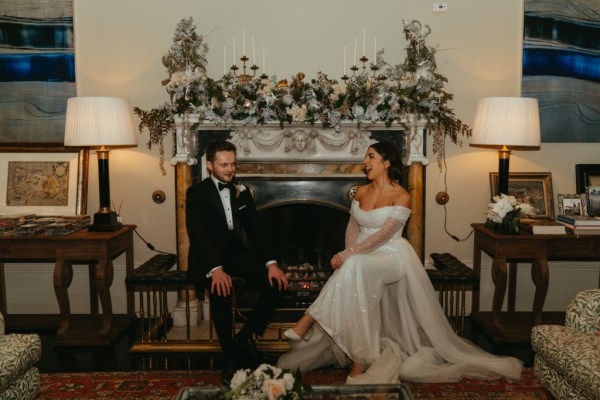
(292, 335)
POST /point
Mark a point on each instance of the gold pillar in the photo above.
(183, 174)
(415, 223)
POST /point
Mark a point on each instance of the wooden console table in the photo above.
(524, 247)
(97, 249)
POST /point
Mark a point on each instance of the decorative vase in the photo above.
(511, 223)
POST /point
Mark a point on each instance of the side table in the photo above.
(515, 249)
(97, 249)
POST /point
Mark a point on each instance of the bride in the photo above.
(378, 312)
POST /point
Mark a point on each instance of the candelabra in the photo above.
(245, 77)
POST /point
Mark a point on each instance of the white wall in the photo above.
(119, 45)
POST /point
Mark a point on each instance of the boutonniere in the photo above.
(239, 188)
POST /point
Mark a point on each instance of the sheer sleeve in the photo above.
(352, 231)
(390, 227)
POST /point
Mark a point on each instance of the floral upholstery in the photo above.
(567, 360)
(19, 379)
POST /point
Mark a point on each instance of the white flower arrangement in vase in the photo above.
(506, 211)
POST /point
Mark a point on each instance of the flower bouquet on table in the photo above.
(504, 213)
(265, 383)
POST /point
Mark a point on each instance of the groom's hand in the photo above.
(277, 274)
(221, 282)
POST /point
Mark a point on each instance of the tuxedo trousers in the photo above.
(237, 261)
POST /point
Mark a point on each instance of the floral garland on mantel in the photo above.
(414, 87)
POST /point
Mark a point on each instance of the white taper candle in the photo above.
(244, 40)
(375, 51)
(364, 40)
(344, 73)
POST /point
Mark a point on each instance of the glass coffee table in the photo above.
(318, 392)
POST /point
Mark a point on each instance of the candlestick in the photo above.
(344, 73)
(375, 51)
(244, 40)
(224, 60)
(364, 40)
(253, 53)
(354, 59)
(233, 51)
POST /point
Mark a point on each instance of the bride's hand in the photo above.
(336, 261)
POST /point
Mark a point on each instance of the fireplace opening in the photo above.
(305, 236)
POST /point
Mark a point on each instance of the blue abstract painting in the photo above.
(37, 70)
(561, 67)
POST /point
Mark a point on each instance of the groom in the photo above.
(218, 213)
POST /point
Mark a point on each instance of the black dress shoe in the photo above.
(248, 348)
(228, 370)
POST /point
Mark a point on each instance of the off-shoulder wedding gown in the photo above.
(380, 310)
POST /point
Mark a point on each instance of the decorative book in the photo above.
(542, 227)
(578, 220)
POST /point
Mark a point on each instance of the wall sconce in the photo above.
(506, 123)
(100, 123)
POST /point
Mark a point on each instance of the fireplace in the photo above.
(302, 178)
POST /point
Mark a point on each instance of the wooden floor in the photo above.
(56, 357)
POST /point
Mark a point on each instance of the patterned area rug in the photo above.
(155, 385)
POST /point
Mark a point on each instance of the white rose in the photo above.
(238, 378)
(289, 381)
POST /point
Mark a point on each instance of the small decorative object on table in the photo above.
(504, 214)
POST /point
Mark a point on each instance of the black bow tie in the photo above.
(225, 185)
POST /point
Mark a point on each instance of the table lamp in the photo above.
(100, 123)
(506, 123)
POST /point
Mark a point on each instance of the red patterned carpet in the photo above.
(155, 385)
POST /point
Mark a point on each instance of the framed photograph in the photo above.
(593, 198)
(52, 182)
(534, 188)
(587, 175)
(572, 204)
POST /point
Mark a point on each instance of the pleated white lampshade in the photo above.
(99, 121)
(506, 121)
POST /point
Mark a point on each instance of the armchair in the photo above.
(19, 379)
(567, 360)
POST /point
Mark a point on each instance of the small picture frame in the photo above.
(572, 204)
(534, 188)
(587, 175)
(593, 201)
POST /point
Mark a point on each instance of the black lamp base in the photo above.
(105, 222)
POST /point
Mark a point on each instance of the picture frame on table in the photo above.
(586, 175)
(43, 180)
(532, 187)
(572, 204)
(593, 201)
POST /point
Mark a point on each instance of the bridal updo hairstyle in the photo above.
(390, 153)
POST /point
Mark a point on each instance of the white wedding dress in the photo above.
(380, 310)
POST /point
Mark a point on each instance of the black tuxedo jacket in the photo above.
(209, 234)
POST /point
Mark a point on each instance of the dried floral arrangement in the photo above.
(414, 87)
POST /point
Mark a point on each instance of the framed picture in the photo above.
(534, 188)
(572, 204)
(593, 201)
(52, 182)
(587, 175)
